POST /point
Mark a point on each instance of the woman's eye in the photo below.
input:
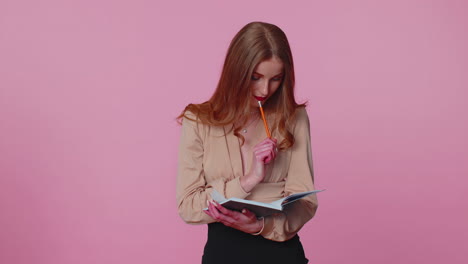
(277, 79)
(254, 78)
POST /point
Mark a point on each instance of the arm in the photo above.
(193, 191)
(282, 227)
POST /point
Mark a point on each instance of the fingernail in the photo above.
(244, 211)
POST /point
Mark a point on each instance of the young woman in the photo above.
(224, 147)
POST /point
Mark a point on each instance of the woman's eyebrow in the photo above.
(262, 74)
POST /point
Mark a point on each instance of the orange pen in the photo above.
(264, 120)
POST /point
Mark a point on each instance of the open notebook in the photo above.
(259, 208)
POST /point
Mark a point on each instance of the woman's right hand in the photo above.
(263, 153)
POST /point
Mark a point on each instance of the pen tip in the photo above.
(259, 103)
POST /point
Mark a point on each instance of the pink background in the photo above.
(89, 90)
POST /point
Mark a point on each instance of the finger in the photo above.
(229, 216)
(264, 149)
(214, 212)
(262, 156)
(219, 216)
(270, 149)
(225, 211)
(265, 145)
(273, 140)
(265, 156)
(208, 213)
(234, 215)
(228, 223)
(225, 220)
(266, 142)
(270, 157)
(248, 213)
(274, 152)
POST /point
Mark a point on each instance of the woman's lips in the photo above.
(260, 98)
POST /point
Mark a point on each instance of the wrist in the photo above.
(248, 182)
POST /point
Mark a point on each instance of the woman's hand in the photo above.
(263, 153)
(245, 221)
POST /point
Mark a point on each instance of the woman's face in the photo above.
(265, 80)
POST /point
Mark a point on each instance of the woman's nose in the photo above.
(265, 87)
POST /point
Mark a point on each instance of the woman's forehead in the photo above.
(273, 66)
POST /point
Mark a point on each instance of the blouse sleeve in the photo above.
(281, 227)
(193, 191)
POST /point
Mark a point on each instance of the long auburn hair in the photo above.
(254, 43)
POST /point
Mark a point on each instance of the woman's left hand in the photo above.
(245, 221)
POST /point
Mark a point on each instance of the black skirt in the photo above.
(227, 245)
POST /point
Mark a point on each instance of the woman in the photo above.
(224, 147)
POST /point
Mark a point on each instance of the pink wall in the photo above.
(89, 91)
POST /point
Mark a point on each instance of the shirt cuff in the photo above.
(230, 188)
(234, 189)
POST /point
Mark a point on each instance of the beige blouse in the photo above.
(211, 159)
